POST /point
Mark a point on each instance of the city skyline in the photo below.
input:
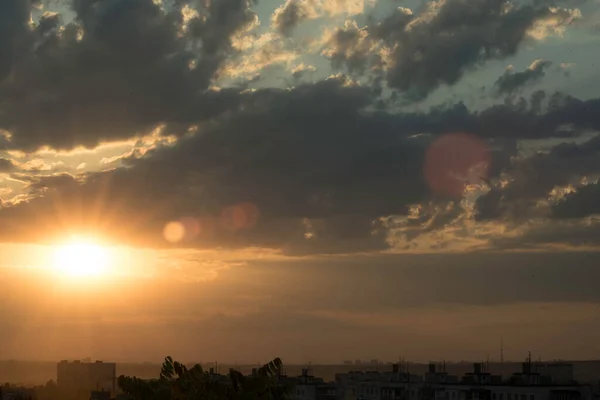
(306, 179)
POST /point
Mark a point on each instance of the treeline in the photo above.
(177, 382)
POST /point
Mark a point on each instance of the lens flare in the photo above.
(239, 216)
(174, 232)
(455, 160)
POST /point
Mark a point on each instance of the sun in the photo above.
(81, 259)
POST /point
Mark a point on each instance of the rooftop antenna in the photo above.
(501, 349)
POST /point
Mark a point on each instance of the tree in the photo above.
(177, 382)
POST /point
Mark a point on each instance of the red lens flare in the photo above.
(455, 160)
(239, 216)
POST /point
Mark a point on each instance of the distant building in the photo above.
(558, 372)
(529, 384)
(435, 375)
(86, 376)
(375, 385)
(308, 387)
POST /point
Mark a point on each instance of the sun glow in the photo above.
(81, 259)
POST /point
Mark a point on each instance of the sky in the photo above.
(314, 180)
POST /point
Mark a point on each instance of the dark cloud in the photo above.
(14, 19)
(309, 159)
(119, 69)
(510, 81)
(461, 35)
(323, 172)
(350, 47)
(322, 169)
(582, 235)
(439, 44)
(554, 3)
(288, 16)
(584, 202)
(533, 178)
(6, 165)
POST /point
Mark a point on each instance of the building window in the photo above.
(531, 397)
(493, 396)
(501, 396)
(509, 396)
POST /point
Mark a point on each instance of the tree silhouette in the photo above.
(177, 382)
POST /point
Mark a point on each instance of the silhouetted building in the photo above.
(375, 385)
(558, 372)
(309, 387)
(437, 374)
(529, 384)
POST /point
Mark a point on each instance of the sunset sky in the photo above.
(317, 180)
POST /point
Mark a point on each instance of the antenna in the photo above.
(501, 349)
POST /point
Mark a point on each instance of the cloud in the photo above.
(332, 166)
(350, 47)
(287, 16)
(530, 181)
(554, 23)
(14, 19)
(511, 82)
(6, 165)
(583, 202)
(266, 50)
(293, 12)
(202, 175)
(419, 52)
(545, 235)
(319, 172)
(300, 70)
(116, 71)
